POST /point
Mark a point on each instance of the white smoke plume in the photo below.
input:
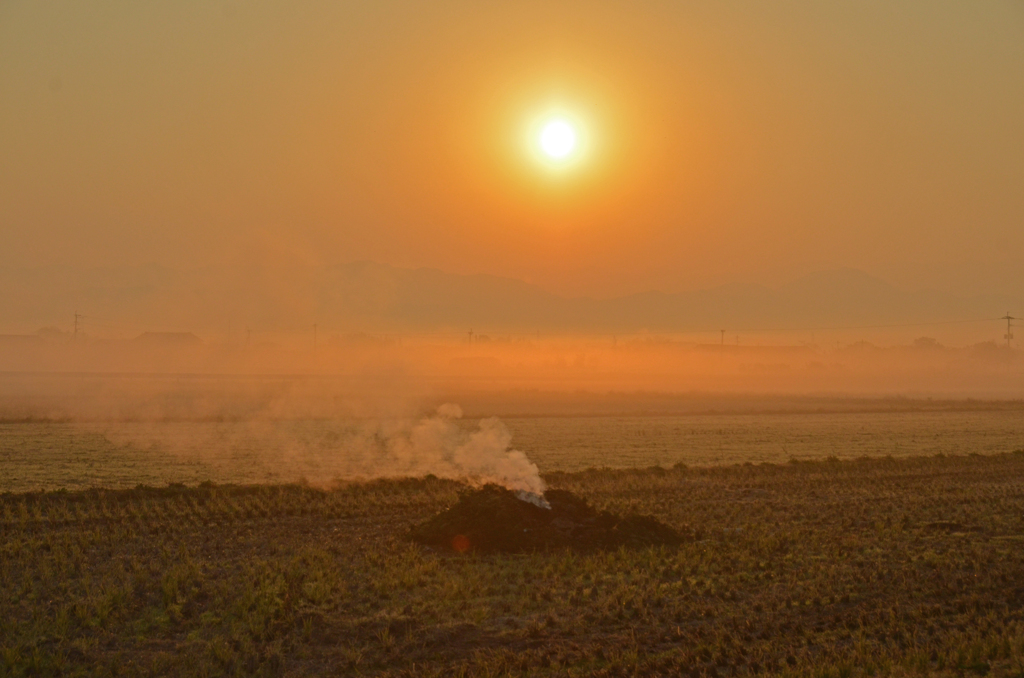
(265, 449)
(439, 446)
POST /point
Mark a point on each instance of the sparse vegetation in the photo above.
(834, 568)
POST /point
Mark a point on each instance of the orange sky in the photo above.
(729, 141)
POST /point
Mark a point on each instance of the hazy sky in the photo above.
(726, 141)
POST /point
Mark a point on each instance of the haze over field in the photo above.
(369, 297)
(561, 196)
(174, 162)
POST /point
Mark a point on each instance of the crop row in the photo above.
(838, 569)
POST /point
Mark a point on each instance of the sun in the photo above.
(558, 139)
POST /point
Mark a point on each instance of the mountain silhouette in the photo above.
(368, 296)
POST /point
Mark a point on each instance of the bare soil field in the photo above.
(911, 566)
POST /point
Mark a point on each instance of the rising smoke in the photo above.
(438, 445)
(329, 450)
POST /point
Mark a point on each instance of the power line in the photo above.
(79, 318)
(867, 327)
(803, 329)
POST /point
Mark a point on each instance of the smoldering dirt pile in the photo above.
(495, 519)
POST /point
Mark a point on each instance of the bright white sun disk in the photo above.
(557, 139)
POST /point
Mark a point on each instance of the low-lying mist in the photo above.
(367, 375)
(380, 406)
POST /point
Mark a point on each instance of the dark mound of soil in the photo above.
(494, 519)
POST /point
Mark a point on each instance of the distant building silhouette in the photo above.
(53, 334)
(20, 339)
(169, 338)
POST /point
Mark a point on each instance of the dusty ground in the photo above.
(841, 569)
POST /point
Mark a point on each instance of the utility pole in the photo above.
(1009, 334)
(471, 336)
(723, 337)
(74, 337)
